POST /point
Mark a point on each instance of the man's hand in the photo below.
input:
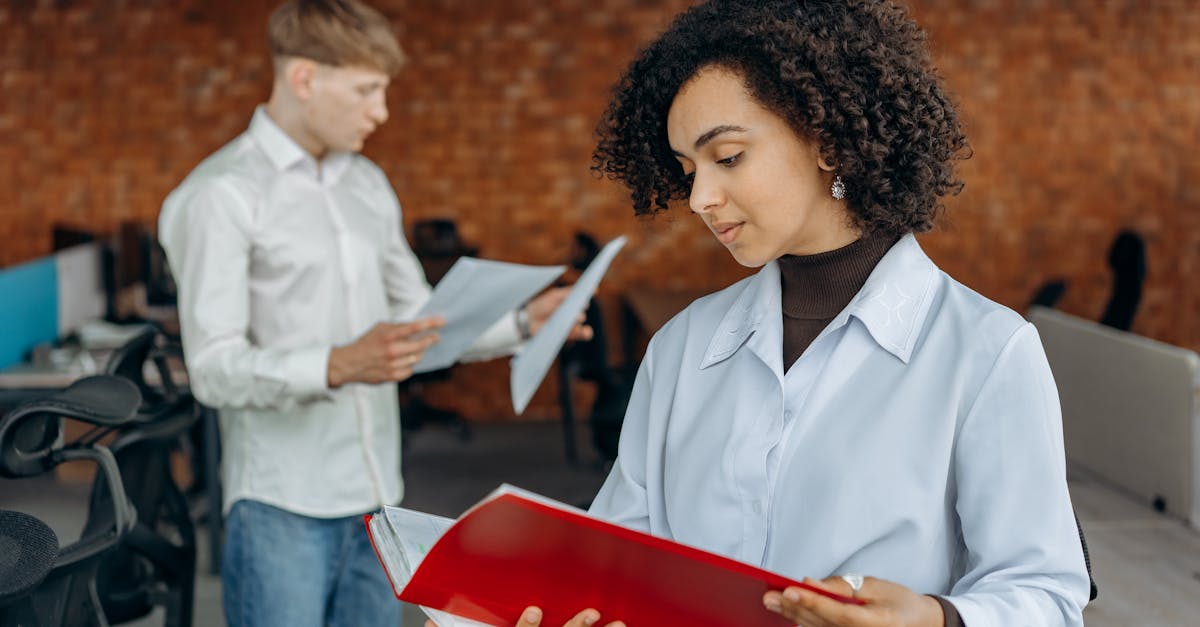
(887, 605)
(542, 306)
(384, 354)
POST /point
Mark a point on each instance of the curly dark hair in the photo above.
(853, 76)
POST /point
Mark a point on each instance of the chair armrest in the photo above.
(31, 433)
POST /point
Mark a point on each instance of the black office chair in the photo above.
(589, 361)
(28, 548)
(437, 245)
(1127, 260)
(31, 439)
(1049, 293)
(155, 564)
(1093, 589)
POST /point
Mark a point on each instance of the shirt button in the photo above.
(758, 507)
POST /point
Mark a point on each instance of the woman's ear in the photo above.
(825, 164)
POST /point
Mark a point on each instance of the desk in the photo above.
(26, 381)
(645, 311)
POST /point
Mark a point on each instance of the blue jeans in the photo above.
(280, 568)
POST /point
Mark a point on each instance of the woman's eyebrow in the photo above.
(715, 131)
(712, 134)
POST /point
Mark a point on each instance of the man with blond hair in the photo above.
(289, 253)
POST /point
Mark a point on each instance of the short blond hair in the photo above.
(340, 33)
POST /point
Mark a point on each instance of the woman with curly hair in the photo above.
(850, 412)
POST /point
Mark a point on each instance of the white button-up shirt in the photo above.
(277, 259)
(918, 439)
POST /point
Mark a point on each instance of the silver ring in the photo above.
(855, 581)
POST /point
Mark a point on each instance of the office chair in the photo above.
(589, 361)
(437, 245)
(1127, 260)
(155, 563)
(1049, 293)
(28, 548)
(31, 444)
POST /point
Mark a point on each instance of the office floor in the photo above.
(1147, 565)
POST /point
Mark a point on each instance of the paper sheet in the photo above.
(472, 296)
(530, 365)
(445, 619)
(416, 532)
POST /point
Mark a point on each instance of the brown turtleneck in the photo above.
(816, 288)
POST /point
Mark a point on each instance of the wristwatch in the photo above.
(523, 324)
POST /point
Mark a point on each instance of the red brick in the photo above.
(1083, 116)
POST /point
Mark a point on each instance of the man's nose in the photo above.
(378, 111)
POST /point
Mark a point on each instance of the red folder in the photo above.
(511, 551)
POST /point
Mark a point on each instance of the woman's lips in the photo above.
(727, 231)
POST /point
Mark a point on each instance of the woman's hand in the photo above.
(887, 605)
(532, 617)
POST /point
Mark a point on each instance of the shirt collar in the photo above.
(285, 153)
(281, 149)
(892, 304)
(895, 300)
(761, 295)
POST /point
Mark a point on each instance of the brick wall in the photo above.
(1084, 118)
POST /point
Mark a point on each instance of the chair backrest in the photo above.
(591, 361)
(1127, 260)
(31, 444)
(150, 347)
(437, 245)
(160, 553)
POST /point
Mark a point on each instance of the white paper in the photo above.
(415, 533)
(472, 296)
(530, 365)
(446, 619)
(422, 525)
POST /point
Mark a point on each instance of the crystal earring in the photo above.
(838, 189)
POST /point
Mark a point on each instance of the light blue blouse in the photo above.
(918, 439)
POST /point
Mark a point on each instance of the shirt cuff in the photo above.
(949, 613)
(499, 340)
(307, 371)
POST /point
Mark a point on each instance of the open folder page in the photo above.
(472, 296)
(401, 538)
(515, 548)
(530, 365)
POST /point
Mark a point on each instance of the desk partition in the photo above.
(1131, 409)
(29, 315)
(48, 298)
